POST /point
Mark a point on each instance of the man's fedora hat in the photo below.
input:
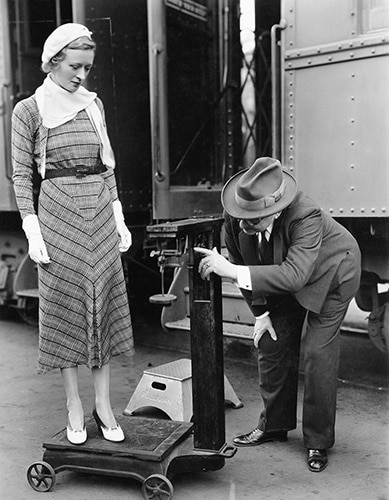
(259, 191)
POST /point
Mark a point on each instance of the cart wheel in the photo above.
(41, 476)
(157, 487)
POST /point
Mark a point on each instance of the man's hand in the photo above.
(213, 262)
(262, 325)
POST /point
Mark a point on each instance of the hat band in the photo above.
(264, 202)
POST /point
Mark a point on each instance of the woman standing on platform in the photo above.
(79, 231)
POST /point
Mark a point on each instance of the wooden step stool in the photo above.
(169, 388)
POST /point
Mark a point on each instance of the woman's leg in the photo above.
(102, 398)
(73, 401)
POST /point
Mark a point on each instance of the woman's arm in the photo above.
(24, 133)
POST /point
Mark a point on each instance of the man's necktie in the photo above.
(263, 244)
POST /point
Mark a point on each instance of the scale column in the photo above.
(206, 347)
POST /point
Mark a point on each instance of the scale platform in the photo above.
(153, 452)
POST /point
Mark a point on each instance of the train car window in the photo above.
(31, 21)
(191, 94)
(375, 15)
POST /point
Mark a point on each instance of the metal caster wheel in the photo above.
(41, 476)
(157, 487)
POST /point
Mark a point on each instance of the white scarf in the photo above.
(58, 106)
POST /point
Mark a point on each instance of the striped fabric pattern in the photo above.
(73, 144)
(84, 312)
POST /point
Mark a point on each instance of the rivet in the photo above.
(373, 210)
(350, 44)
(352, 143)
(352, 210)
(309, 61)
(341, 210)
(291, 148)
(339, 46)
(362, 210)
(291, 117)
(289, 65)
(352, 98)
(373, 51)
(331, 210)
(383, 209)
(352, 120)
(298, 54)
(291, 159)
(352, 165)
(351, 54)
(352, 75)
(352, 188)
(318, 51)
(330, 58)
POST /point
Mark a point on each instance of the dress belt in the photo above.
(74, 171)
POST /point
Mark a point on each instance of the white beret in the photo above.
(62, 36)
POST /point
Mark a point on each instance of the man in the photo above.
(292, 262)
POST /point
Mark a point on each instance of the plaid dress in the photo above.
(84, 316)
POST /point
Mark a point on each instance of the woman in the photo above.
(79, 231)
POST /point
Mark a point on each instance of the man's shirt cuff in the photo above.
(243, 278)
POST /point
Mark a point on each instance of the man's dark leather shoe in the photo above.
(257, 437)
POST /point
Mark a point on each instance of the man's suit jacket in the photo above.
(310, 254)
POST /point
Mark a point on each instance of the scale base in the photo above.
(153, 452)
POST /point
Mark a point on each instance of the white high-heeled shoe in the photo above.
(114, 433)
(76, 436)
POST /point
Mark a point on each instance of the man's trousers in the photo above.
(278, 363)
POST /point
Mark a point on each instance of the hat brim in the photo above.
(233, 209)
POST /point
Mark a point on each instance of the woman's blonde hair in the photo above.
(82, 43)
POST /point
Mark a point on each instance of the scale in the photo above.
(155, 450)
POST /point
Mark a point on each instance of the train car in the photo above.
(174, 78)
(168, 79)
(329, 126)
(332, 127)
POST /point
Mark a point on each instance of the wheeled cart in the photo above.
(156, 449)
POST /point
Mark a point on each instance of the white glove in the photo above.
(122, 229)
(262, 325)
(36, 246)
